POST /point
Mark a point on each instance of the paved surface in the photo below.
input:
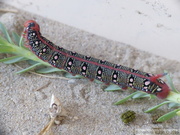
(149, 25)
(91, 111)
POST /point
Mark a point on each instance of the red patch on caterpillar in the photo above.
(164, 93)
(163, 87)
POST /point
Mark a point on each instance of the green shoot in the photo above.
(168, 116)
(157, 106)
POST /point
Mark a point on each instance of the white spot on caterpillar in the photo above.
(70, 63)
(103, 61)
(44, 50)
(55, 57)
(147, 82)
(84, 73)
(161, 81)
(88, 57)
(114, 80)
(150, 74)
(84, 67)
(159, 89)
(115, 75)
(131, 80)
(145, 87)
(99, 72)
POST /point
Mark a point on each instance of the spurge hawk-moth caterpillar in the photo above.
(90, 67)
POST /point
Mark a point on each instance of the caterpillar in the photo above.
(90, 67)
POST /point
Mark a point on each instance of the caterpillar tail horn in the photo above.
(155, 77)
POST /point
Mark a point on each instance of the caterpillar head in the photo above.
(31, 24)
(31, 30)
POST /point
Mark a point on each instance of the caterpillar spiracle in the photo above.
(90, 67)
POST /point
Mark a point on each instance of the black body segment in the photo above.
(57, 59)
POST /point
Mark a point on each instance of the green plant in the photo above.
(20, 53)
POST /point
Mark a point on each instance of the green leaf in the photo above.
(157, 106)
(152, 96)
(97, 81)
(3, 42)
(29, 68)
(174, 97)
(178, 113)
(170, 82)
(13, 59)
(127, 98)
(32, 62)
(171, 105)
(6, 34)
(68, 75)
(168, 116)
(16, 38)
(6, 49)
(21, 41)
(11, 48)
(112, 88)
(140, 95)
(48, 70)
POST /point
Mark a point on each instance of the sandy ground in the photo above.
(24, 111)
